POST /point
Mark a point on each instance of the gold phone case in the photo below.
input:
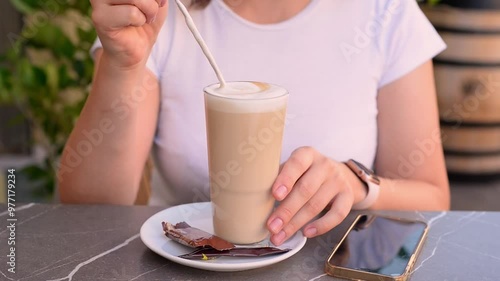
(353, 274)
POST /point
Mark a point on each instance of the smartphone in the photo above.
(377, 248)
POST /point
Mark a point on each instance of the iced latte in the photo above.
(245, 122)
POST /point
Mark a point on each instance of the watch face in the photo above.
(362, 167)
(364, 173)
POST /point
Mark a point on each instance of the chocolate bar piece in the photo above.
(194, 237)
(208, 254)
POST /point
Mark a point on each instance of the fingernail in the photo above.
(163, 2)
(276, 225)
(152, 20)
(278, 238)
(281, 192)
(311, 231)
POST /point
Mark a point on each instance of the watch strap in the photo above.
(370, 181)
(372, 190)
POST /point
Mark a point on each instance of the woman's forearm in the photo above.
(105, 154)
(405, 194)
(402, 194)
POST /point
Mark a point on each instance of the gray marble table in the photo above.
(69, 242)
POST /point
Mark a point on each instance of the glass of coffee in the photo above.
(245, 123)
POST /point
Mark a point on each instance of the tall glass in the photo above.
(245, 123)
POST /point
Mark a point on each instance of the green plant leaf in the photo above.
(83, 6)
(52, 74)
(22, 6)
(42, 178)
(39, 79)
(37, 88)
(64, 80)
(26, 73)
(5, 86)
(87, 37)
(34, 172)
(51, 37)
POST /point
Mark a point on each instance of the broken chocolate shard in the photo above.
(194, 237)
(208, 254)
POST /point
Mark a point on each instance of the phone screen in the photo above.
(379, 245)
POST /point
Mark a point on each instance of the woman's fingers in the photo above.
(123, 16)
(160, 17)
(293, 169)
(306, 185)
(122, 13)
(341, 205)
(302, 192)
(309, 194)
(148, 7)
(297, 164)
(306, 213)
(122, 26)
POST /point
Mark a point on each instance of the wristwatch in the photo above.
(371, 181)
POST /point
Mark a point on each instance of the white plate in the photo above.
(200, 215)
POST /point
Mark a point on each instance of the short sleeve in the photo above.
(409, 41)
(150, 64)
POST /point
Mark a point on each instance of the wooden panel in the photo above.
(473, 165)
(468, 87)
(10, 23)
(475, 48)
(468, 139)
(14, 139)
(468, 94)
(444, 16)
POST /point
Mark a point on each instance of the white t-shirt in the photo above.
(332, 57)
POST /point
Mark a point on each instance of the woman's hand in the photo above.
(307, 183)
(128, 28)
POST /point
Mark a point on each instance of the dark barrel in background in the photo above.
(472, 4)
(468, 85)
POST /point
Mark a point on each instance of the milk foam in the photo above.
(245, 97)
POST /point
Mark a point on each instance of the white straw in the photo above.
(201, 42)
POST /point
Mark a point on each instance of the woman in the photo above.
(361, 86)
